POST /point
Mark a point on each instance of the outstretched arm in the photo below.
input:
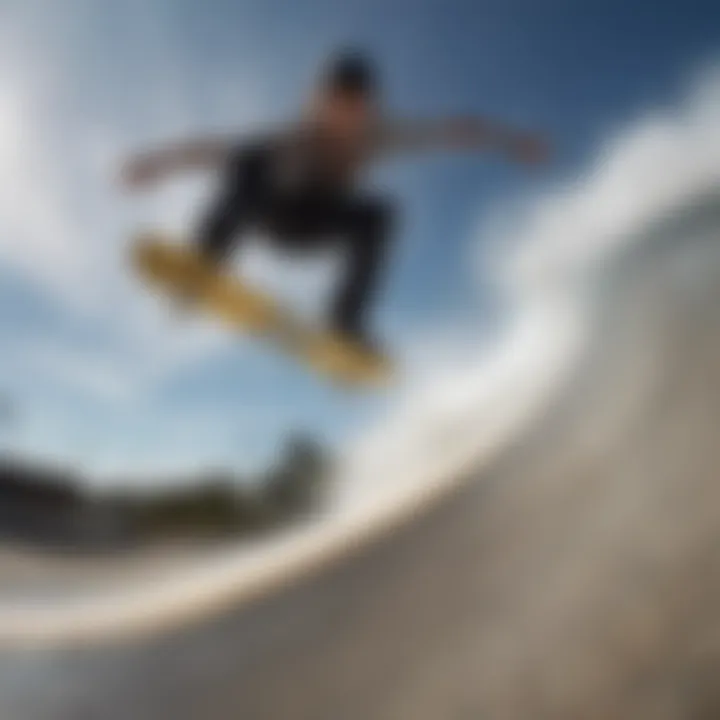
(462, 133)
(147, 168)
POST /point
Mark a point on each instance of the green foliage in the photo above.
(221, 504)
(213, 504)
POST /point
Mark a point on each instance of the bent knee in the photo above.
(247, 170)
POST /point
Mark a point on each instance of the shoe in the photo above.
(359, 338)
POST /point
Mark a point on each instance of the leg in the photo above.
(366, 227)
(309, 219)
(237, 206)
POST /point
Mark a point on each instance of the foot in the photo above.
(361, 338)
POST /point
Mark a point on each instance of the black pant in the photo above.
(303, 218)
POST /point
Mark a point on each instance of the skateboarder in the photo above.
(299, 184)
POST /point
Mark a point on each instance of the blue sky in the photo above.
(96, 370)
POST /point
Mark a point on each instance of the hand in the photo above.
(529, 149)
(141, 171)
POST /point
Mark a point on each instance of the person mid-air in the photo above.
(299, 184)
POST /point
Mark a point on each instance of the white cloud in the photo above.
(34, 231)
(98, 377)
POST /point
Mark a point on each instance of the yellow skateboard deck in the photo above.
(180, 272)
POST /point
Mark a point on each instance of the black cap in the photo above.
(352, 72)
